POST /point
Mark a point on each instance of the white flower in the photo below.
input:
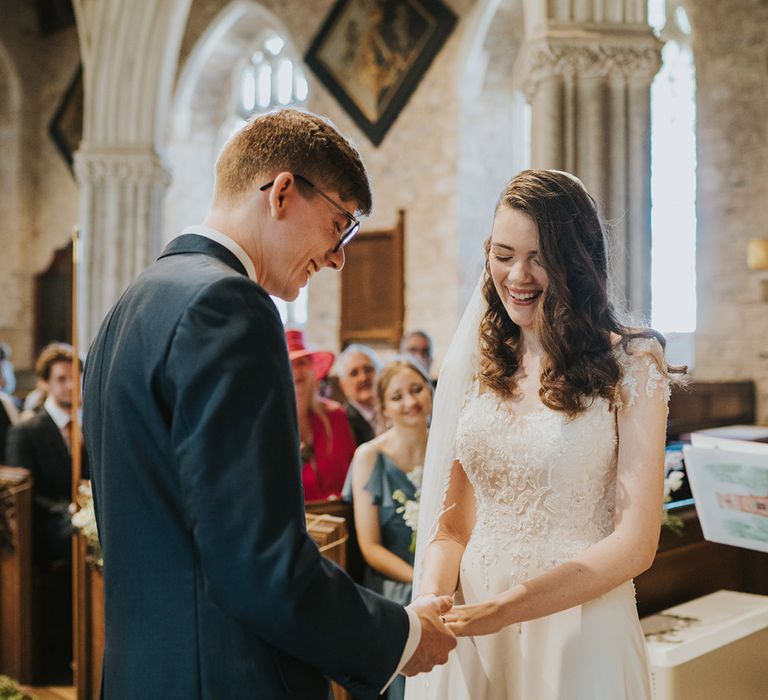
(414, 476)
(672, 482)
(84, 519)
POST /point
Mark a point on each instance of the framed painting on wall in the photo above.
(66, 127)
(371, 55)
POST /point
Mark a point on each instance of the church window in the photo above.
(673, 175)
(268, 78)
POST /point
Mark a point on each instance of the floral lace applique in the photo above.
(543, 484)
(639, 365)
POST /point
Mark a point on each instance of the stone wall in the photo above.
(38, 194)
(415, 168)
(731, 54)
(428, 164)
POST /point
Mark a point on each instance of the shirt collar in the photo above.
(231, 245)
(60, 416)
(368, 413)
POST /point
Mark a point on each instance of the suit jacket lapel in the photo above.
(55, 440)
(192, 243)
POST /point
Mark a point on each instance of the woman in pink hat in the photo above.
(327, 443)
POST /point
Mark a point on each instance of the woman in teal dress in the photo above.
(388, 464)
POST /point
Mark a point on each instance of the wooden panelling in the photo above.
(372, 287)
(687, 567)
(703, 405)
(16, 577)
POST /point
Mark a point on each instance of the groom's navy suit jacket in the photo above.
(213, 589)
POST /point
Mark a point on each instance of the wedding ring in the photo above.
(442, 619)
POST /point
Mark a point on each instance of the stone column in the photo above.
(589, 89)
(121, 193)
(129, 52)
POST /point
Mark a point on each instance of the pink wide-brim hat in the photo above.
(297, 347)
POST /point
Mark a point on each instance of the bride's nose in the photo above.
(520, 272)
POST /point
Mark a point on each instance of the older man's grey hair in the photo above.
(353, 349)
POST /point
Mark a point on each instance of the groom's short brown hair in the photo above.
(298, 142)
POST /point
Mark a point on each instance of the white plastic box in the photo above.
(711, 648)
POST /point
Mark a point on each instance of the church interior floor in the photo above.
(50, 693)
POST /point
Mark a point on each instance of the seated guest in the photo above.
(357, 366)
(418, 344)
(42, 444)
(387, 464)
(7, 374)
(9, 416)
(33, 401)
(327, 443)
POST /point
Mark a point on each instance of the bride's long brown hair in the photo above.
(576, 321)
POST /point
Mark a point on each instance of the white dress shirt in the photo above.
(61, 416)
(231, 245)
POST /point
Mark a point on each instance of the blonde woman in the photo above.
(388, 464)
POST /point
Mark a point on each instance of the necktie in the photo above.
(66, 433)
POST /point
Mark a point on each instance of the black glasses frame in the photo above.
(352, 227)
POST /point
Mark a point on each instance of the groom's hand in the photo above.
(436, 639)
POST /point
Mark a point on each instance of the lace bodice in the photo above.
(544, 483)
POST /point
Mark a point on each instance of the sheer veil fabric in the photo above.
(545, 490)
(457, 373)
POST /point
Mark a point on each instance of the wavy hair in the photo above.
(575, 320)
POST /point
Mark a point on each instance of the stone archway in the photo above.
(129, 53)
(12, 262)
(494, 131)
(202, 106)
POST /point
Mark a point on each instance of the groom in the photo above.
(213, 589)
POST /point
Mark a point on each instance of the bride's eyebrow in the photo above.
(511, 248)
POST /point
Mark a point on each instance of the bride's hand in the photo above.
(476, 619)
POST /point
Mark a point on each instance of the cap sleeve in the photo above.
(378, 484)
(644, 373)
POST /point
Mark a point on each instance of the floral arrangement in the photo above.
(84, 519)
(410, 508)
(672, 482)
(10, 691)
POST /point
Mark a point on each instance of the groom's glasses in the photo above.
(353, 225)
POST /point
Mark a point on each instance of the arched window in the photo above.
(673, 177)
(269, 77)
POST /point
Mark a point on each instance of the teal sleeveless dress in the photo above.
(396, 536)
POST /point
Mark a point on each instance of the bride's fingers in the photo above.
(458, 628)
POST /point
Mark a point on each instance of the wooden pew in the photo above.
(328, 530)
(16, 574)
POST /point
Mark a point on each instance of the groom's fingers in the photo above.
(444, 604)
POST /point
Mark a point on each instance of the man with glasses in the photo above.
(213, 589)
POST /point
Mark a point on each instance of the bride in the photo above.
(543, 482)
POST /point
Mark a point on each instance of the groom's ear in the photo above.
(281, 194)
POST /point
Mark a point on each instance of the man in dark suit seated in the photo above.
(9, 416)
(42, 445)
(418, 344)
(357, 367)
(212, 586)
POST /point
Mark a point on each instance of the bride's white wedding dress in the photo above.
(545, 489)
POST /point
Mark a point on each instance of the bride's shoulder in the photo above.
(637, 342)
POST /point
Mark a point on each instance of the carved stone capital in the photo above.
(122, 166)
(544, 58)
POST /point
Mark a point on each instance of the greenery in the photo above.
(10, 691)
